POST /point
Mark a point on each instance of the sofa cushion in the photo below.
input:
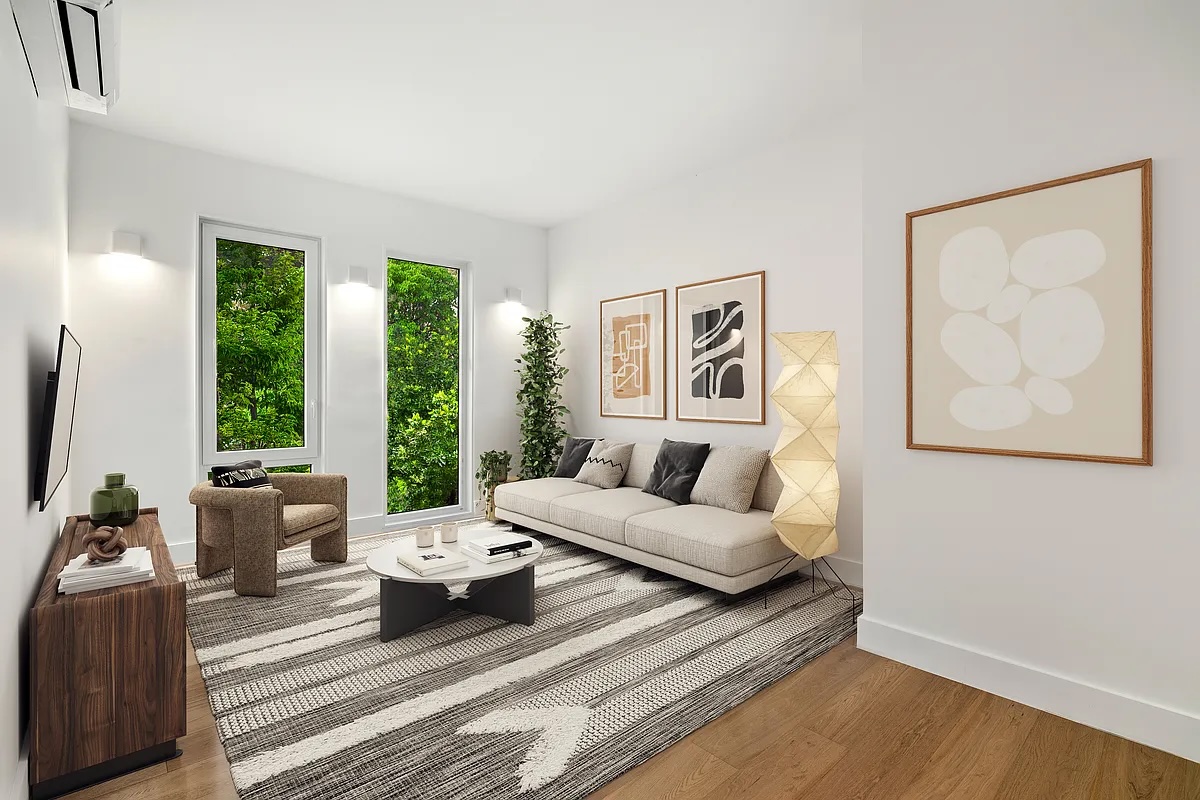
(676, 468)
(532, 498)
(770, 486)
(605, 464)
(641, 464)
(302, 516)
(729, 477)
(603, 514)
(575, 451)
(242, 475)
(715, 539)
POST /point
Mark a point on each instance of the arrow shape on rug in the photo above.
(706, 652)
(561, 729)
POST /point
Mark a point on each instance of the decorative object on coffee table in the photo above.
(720, 337)
(493, 471)
(633, 358)
(1029, 321)
(448, 532)
(105, 543)
(425, 536)
(540, 377)
(407, 600)
(245, 528)
(114, 503)
(805, 455)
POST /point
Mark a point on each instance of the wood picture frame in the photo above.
(633, 356)
(1074, 230)
(735, 390)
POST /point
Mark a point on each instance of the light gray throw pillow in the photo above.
(605, 465)
(729, 477)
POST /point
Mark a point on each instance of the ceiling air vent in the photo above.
(71, 46)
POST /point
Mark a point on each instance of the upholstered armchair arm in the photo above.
(300, 488)
(208, 496)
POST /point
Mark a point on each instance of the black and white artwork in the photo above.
(719, 351)
(719, 358)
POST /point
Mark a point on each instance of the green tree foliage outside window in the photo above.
(422, 386)
(260, 346)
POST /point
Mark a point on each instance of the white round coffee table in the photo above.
(407, 600)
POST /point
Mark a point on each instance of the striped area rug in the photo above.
(621, 663)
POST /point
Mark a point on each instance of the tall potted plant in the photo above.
(539, 396)
(493, 471)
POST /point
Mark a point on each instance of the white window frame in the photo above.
(466, 405)
(314, 346)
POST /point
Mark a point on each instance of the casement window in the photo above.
(260, 336)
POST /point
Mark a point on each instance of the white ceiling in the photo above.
(531, 110)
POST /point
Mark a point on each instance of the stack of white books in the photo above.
(498, 548)
(135, 565)
(431, 560)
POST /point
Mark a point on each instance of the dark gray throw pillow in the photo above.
(242, 475)
(575, 452)
(676, 469)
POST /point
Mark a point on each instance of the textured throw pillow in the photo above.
(729, 477)
(575, 451)
(605, 464)
(676, 469)
(243, 475)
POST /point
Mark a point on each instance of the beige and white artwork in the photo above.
(633, 356)
(1027, 322)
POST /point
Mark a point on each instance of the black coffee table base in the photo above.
(405, 606)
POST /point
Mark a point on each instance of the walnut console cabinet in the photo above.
(106, 669)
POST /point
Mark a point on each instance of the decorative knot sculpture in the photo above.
(105, 543)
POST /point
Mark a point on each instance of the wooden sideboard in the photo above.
(107, 680)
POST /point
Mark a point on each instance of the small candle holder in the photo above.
(425, 536)
(449, 532)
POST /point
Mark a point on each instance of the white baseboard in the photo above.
(20, 784)
(847, 569)
(1142, 721)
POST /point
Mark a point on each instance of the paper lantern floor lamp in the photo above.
(806, 454)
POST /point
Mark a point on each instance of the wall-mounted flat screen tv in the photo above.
(58, 418)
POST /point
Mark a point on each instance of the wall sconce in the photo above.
(512, 295)
(358, 276)
(127, 244)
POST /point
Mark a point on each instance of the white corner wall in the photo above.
(1067, 586)
(793, 210)
(138, 324)
(33, 259)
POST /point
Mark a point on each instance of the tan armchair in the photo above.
(245, 528)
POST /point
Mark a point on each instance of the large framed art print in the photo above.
(720, 338)
(633, 356)
(1029, 321)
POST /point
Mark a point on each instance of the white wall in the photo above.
(138, 325)
(1071, 587)
(793, 210)
(33, 254)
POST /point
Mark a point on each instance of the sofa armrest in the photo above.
(322, 487)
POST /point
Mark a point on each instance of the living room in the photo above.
(449, 264)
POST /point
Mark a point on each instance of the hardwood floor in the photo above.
(847, 725)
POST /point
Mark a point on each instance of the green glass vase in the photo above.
(114, 503)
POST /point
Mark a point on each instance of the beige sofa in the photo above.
(711, 546)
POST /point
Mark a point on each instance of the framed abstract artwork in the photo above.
(1029, 321)
(633, 356)
(720, 338)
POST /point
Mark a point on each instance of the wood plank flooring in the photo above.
(848, 725)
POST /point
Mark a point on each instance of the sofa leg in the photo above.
(254, 564)
(330, 548)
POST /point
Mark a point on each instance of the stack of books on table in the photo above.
(79, 575)
(431, 561)
(498, 548)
